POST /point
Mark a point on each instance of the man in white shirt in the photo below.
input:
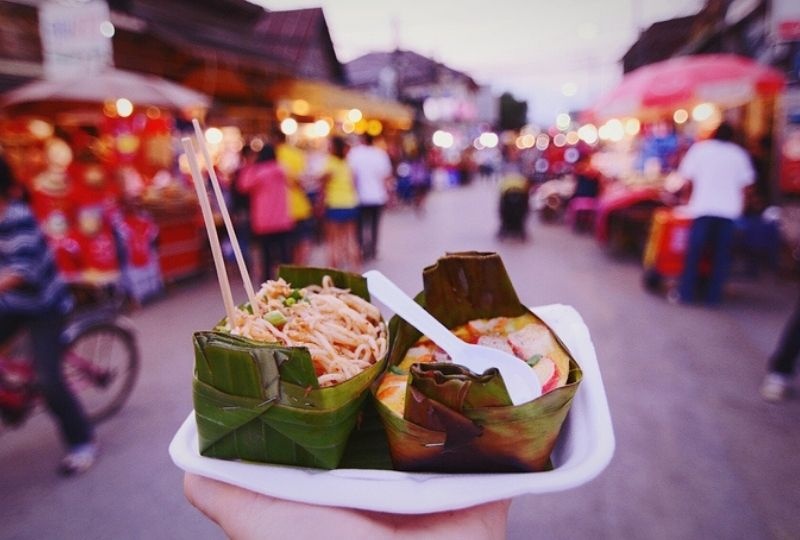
(372, 170)
(719, 171)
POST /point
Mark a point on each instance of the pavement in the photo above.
(698, 453)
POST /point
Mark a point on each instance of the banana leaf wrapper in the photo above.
(261, 402)
(458, 421)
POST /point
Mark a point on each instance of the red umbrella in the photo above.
(723, 79)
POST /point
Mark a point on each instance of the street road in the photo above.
(699, 454)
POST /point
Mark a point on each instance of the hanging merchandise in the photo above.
(136, 234)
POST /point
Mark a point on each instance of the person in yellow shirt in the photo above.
(293, 162)
(341, 210)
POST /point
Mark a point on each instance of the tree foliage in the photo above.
(513, 113)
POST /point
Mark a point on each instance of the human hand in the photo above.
(245, 515)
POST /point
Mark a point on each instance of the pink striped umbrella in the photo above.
(656, 89)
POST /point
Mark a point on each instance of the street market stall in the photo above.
(96, 154)
(657, 110)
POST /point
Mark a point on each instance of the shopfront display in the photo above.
(93, 174)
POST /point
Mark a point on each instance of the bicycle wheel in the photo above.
(101, 365)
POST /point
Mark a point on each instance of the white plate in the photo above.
(584, 448)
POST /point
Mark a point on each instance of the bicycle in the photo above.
(100, 360)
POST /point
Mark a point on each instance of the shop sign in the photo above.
(73, 37)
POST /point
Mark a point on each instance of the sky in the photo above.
(558, 55)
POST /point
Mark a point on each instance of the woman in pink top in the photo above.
(270, 221)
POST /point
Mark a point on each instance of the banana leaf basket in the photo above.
(262, 402)
(458, 421)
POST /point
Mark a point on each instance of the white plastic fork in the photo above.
(521, 382)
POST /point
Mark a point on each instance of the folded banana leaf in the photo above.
(262, 402)
(456, 420)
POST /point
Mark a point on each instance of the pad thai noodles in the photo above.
(343, 332)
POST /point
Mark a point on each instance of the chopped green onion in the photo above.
(533, 360)
(275, 318)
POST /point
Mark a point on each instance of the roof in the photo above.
(295, 42)
(659, 42)
(299, 38)
(412, 69)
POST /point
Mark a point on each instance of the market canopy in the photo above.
(111, 84)
(651, 91)
(327, 98)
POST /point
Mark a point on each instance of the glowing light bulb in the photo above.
(702, 112)
(632, 126)
(107, 29)
(124, 107)
(354, 115)
(588, 133)
(443, 139)
(563, 121)
(213, 135)
(288, 126)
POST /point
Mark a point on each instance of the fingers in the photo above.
(201, 492)
(243, 514)
(223, 503)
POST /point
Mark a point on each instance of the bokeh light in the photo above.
(572, 137)
(321, 128)
(489, 139)
(213, 135)
(542, 141)
(563, 121)
(632, 126)
(374, 127)
(615, 131)
(301, 107)
(680, 116)
(702, 112)
(124, 107)
(354, 115)
(288, 126)
(107, 29)
(443, 139)
(588, 133)
(40, 129)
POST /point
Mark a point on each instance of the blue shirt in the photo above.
(24, 251)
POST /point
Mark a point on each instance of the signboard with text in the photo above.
(73, 41)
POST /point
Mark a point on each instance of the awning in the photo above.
(112, 83)
(329, 99)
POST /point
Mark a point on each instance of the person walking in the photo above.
(782, 363)
(341, 210)
(372, 170)
(719, 171)
(293, 161)
(33, 296)
(270, 221)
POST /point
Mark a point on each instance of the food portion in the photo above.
(284, 381)
(526, 337)
(343, 332)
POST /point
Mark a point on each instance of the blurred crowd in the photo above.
(286, 199)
